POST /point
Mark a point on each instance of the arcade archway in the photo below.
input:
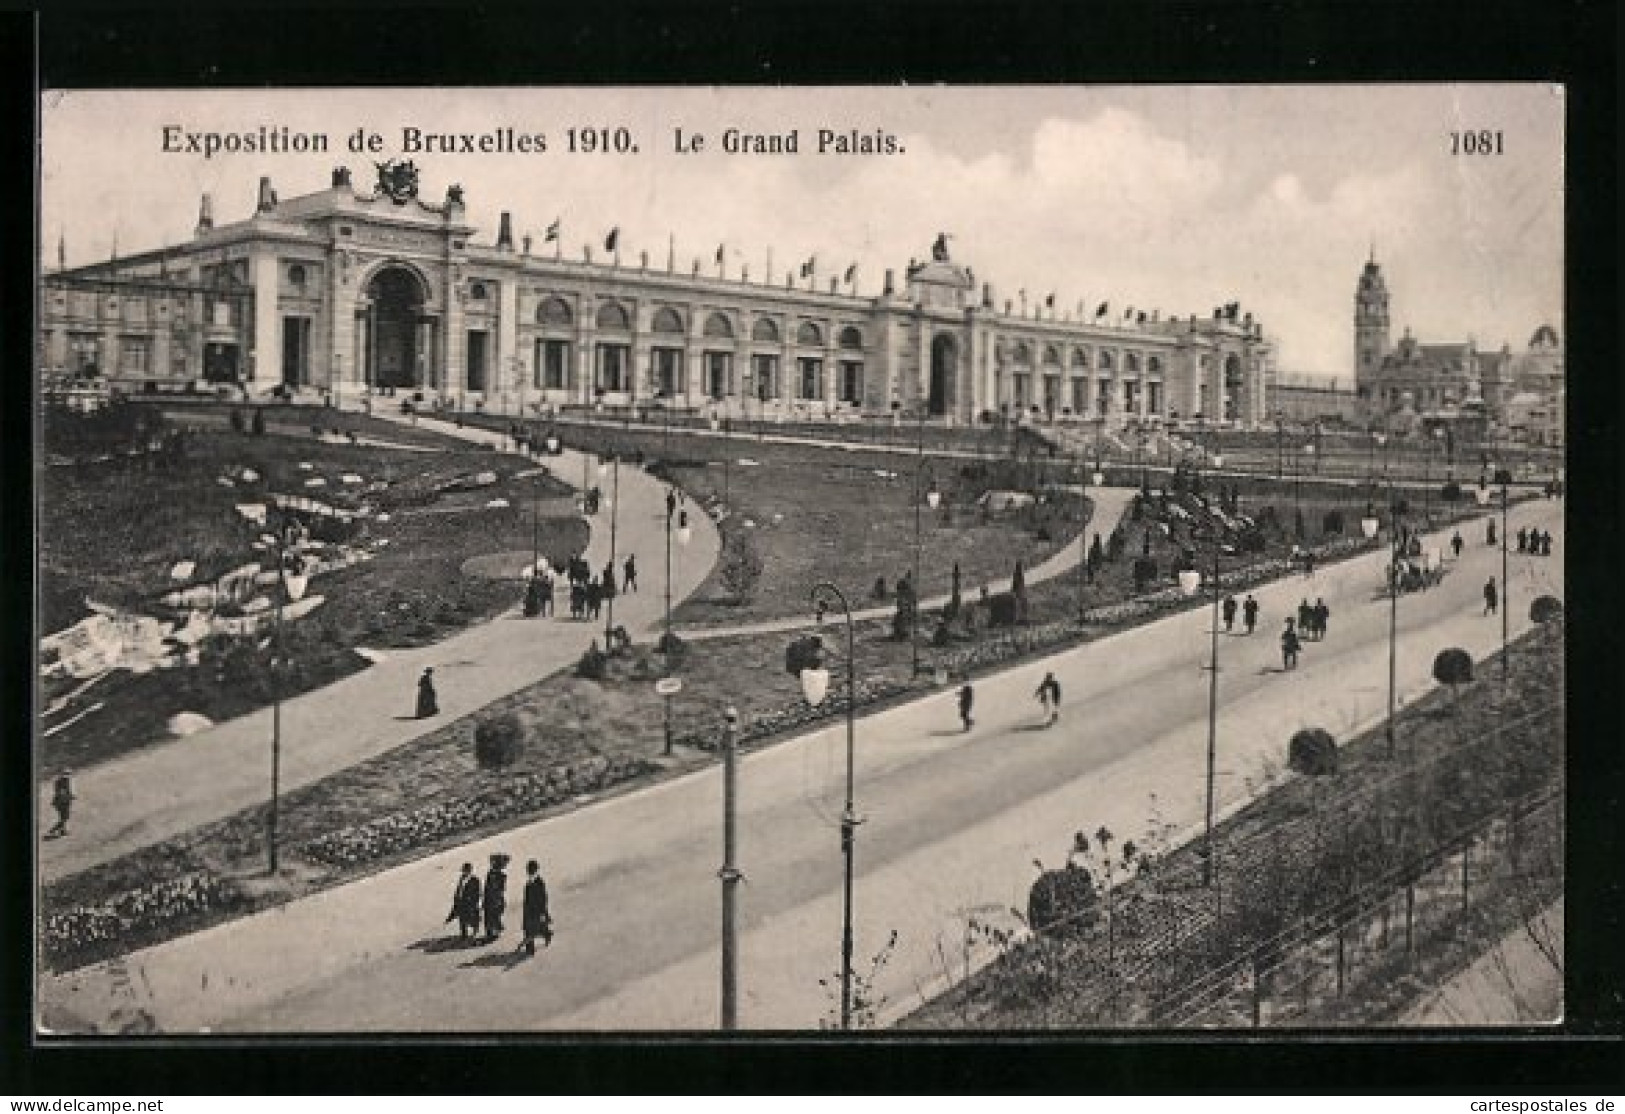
(394, 319)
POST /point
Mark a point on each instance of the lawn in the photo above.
(113, 531)
(842, 515)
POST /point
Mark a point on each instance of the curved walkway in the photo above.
(1110, 503)
(163, 790)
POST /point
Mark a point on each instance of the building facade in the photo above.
(1453, 383)
(343, 291)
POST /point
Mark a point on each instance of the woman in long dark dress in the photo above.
(428, 704)
(495, 896)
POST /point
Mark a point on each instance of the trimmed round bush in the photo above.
(1313, 752)
(498, 741)
(1545, 609)
(1453, 667)
(1062, 901)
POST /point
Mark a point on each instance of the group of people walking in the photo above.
(1249, 613)
(1535, 542)
(588, 593)
(477, 904)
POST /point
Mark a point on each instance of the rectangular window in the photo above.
(811, 374)
(84, 354)
(613, 360)
(719, 374)
(765, 369)
(1080, 396)
(1155, 397)
(475, 367)
(851, 381)
(222, 315)
(668, 372)
(1131, 396)
(1103, 397)
(552, 365)
(134, 355)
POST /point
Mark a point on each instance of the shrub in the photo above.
(237, 422)
(741, 567)
(1545, 609)
(1002, 610)
(498, 741)
(1062, 901)
(1453, 667)
(1451, 492)
(1312, 751)
(806, 652)
(258, 425)
(1145, 571)
(593, 664)
(941, 636)
(1252, 541)
(671, 646)
(1332, 523)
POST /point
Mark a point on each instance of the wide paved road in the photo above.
(953, 823)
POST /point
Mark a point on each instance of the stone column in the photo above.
(507, 338)
(267, 320)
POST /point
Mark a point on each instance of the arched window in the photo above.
(810, 335)
(1131, 363)
(1080, 358)
(765, 329)
(718, 325)
(476, 291)
(1024, 355)
(612, 316)
(1105, 360)
(851, 338)
(667, 320)
(554, 311)
(1153, 365)
(1052, 354)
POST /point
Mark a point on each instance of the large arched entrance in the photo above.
(397, 302)
(944, 365)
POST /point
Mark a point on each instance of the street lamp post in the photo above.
(1190, 586)
(730, 874)
(814, 685)
(1280, 446)
(292, 588)
(1393, 615)
(614, 515)
(673, 502)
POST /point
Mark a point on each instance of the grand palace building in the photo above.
(345, 291)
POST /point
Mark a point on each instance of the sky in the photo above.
(1173, 198)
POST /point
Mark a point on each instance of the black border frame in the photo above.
(844, 41)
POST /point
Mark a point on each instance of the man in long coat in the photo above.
(496, 896)
(465, 903)
(536, 920)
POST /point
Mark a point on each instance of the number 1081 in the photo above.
(1484, 142)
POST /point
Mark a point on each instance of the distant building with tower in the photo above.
(348, 290)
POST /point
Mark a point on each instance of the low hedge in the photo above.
(130, 919)
(516, 796)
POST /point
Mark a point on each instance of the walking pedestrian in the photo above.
(606, 581)
(595, 598)
(1049, 696)
(1524, 537)
(428, 703)
(534, 918)
(495, 896)
(547, 594)
(1456, 544)
(1545, 543)
(1229, 613)
(578, 599)
(62, 801)
(629, 582)
(1489, 531)
(1249, 612)
(1306, 617)
(1308, 563)
(1492, 597)
(465, 903)
(1289, 647)
(533, 597)
(967, 697)
(1323, 615)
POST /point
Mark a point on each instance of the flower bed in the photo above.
(403, 831)
(797, 714)
(129, 919)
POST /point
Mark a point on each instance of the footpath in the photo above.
(169, 788)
